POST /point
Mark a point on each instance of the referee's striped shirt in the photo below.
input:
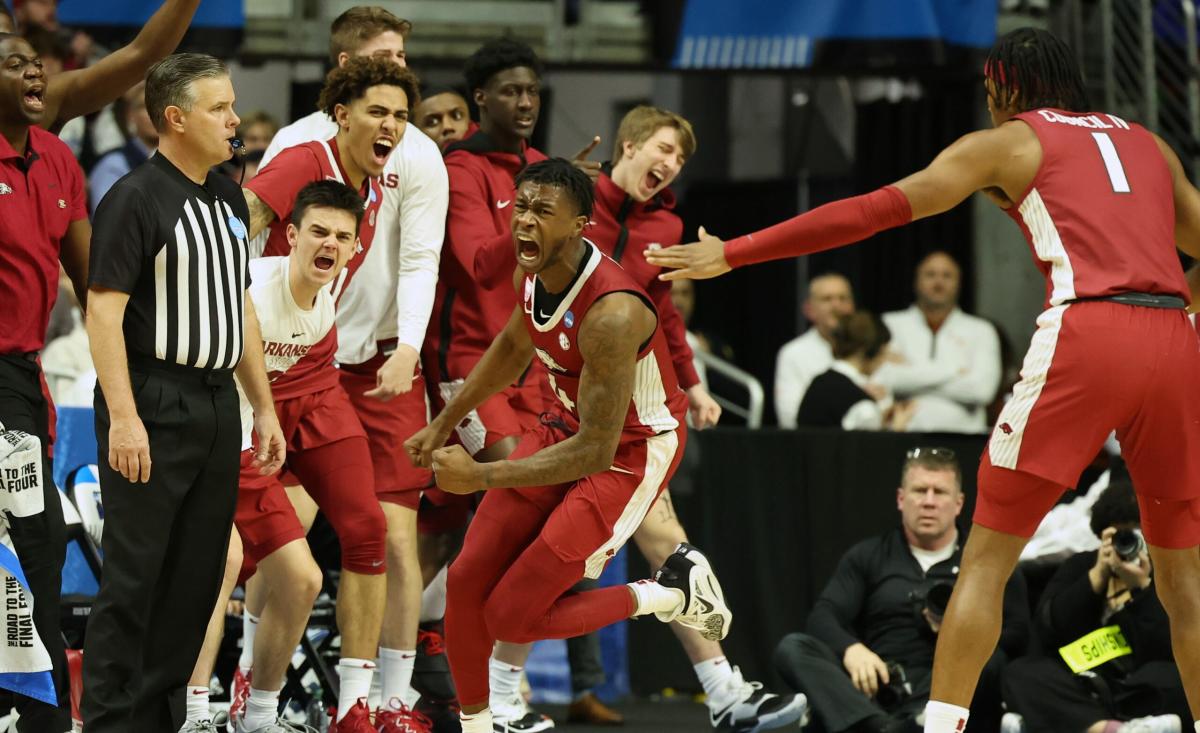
(180, 250)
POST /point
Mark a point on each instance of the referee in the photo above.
(169, 324)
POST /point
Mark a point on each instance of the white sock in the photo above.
(714, 675)
(375, 696)
(943, 717)
(249, 628)
(504, 680)
(262, 708)
(397, 666)
(480, 722)
(197, 704)
(354, 680)
(433, 598)
(655, 598)
(1198, 726)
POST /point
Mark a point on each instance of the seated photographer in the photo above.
(867, 659)
(1106, 639)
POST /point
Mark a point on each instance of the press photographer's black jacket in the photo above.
(868, 600)
(1069, 609)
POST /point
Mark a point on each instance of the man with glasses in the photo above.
(866, 660)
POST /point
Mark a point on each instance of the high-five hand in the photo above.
(696, 261)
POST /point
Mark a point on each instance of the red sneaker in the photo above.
(357, 720)
(401, 720)
(240, 694)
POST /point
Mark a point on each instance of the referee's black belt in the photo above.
(182, 372)
(26, 355)
(1146, 300)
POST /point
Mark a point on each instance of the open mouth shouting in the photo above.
(528, 250)
(33, 97)
(324, 262)
(382, 148)
(652, 181)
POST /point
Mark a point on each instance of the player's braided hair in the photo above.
(1036, 69)
(495, 56)
(562, 173)
(347, 83)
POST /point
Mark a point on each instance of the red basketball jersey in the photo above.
(278, 183)
(658, 405)
(1100, 214)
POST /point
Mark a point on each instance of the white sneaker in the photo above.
(1153, 724)
(514, 715)
(687, 570)
(1012, 723)
(748, 709)
(279, 726)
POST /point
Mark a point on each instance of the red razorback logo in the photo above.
(1006, 428)
(962, 724)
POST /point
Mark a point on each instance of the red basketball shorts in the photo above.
(388, 425)
(1093, 368)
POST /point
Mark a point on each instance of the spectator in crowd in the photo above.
(257, 130)
(443, 115)
(804, 357)
(1100, 599)
(7, 24)
(843, 396)
(949, 361)
(867, 659)
(141, 142)
(40, 13)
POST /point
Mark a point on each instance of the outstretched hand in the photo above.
(696, 261)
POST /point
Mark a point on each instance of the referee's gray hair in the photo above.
(169, 82)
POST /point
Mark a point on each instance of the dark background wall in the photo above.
(775, 510)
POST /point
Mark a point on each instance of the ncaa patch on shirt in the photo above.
(237, 227)
(569, 319)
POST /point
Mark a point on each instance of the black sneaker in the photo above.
(703, 609)
(431, 669)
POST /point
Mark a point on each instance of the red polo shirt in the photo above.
(41, 193)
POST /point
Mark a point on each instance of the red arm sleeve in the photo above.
(825, 227)
(277, 184)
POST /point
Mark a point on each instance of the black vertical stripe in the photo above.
(193, 279)
(623, 234)
(212, 359)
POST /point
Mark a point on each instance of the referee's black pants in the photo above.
(164, 549)
(40, 540)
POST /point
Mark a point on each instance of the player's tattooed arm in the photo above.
(609, 339)
(501, 365)
(261, 215)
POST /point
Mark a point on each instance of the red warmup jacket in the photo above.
(622, 228)
(473, 304)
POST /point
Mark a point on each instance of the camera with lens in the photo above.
(896, 691)
(1128, 544)
(933, 597)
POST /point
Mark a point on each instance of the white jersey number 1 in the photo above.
(1112, 162)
